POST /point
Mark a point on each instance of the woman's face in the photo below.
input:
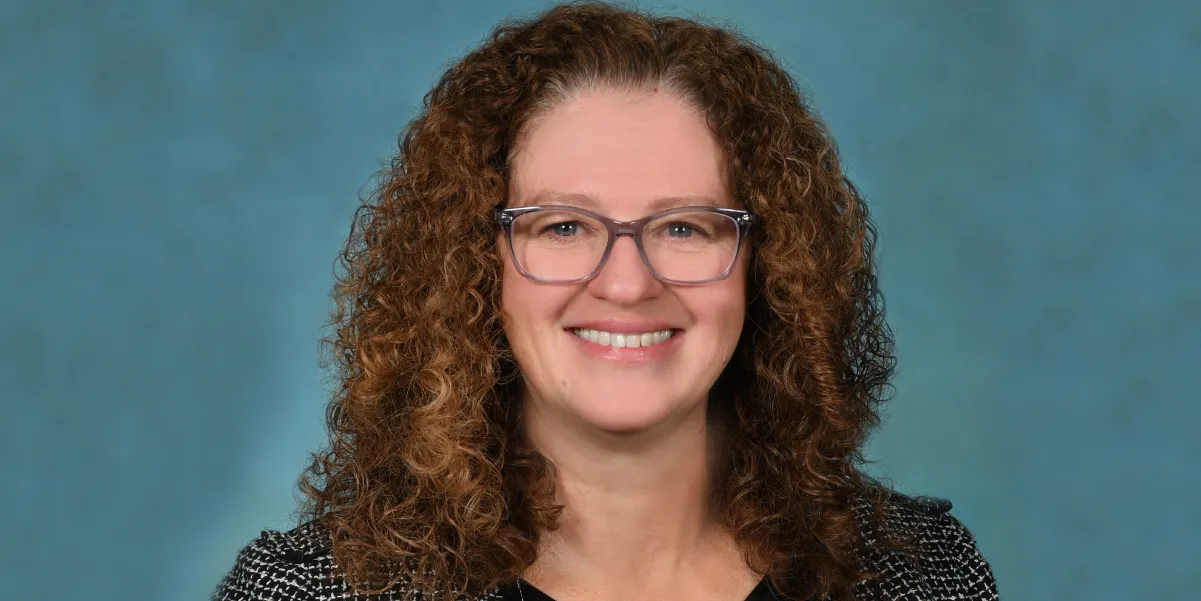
(623, 155)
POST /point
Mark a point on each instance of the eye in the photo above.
(563, 228)
(679, 229)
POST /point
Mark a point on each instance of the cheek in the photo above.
(732, 290)
(530, 309)
(721, 309)
(515, 302)
(514, 289)
(724, 308)
(732, 317)
(737, 289)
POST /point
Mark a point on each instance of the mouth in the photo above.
(630, 340)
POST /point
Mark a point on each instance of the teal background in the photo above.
(176, 179)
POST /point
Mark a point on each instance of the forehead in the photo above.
(628, 152)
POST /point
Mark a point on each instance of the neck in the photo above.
(636, 505)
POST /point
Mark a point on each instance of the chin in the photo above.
(607, 416)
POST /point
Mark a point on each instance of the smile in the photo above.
(623, 340)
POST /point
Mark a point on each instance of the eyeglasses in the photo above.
(686, 245)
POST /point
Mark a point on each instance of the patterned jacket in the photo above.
(297, 565)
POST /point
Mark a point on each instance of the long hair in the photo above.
(427, 478)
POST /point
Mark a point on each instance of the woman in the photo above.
(610, 330)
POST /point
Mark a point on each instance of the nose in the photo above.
(625, 279)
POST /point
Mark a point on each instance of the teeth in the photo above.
(623, 340)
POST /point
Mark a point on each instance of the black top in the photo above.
(298, 565)
(524, 591)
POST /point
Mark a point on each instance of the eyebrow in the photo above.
(584, 201)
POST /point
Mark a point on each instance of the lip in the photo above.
(628, 356)
(618, 326)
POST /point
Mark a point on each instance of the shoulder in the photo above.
(298, 565)
(291, 565)
(919, 550)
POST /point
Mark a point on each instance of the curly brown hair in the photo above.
(427, 476)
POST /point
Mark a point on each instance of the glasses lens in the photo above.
(556, 245)
(691, 246)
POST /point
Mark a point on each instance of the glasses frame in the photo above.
(633, 229)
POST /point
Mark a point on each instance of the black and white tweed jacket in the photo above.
(297, 565)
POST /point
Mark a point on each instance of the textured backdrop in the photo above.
(176, 178)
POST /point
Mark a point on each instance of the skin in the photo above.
(630, 442)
